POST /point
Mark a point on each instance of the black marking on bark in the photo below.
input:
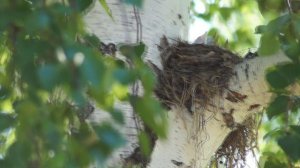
(247, 71)
(189, 106)
(109, 49)
(177, 163)
(251, 55)
(221, 108)
(228, 119)
(84, 112)
(236, 75)
(137, 157)
(253, 106)
(250, 86)
(179, 16)
(235, 97)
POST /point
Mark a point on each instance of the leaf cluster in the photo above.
(282, 33)
(50, 72)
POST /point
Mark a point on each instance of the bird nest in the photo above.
(192, 73)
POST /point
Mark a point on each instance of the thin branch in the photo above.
(288, 4)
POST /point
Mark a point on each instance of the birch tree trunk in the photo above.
(192, 140)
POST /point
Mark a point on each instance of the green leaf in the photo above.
(92, 41)
(18, 154)
(118, 116)
(37, 21)
(283, 75)
(148, 79)
(295, 6)
(291, 49)
(204, 16)
(124, 76)
(213, 7)
(269, 44)
(92, 70)
(278, 106)
(138, 3)
(225, 12)
(4, 92)
(151, 113)
(296, 22)
(273, 134)
(52, 134)
(82, 5)
(271, 7)
(290, 143)
(277, 25)
(49, 76)
(274, 162)
(109, 136)
(261, 29)
(295, 129)
(106, 8)
(6, 121)
(145, 143)
(134, 51)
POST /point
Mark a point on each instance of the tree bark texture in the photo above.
(192, 139)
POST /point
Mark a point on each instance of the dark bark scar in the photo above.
(179, 16)
(177, 163)
(228, 119)
(253, 106)
(247, 71)
(235, 96)
(250, 86)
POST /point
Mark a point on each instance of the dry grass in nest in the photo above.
(195, 74)
(192, 73)
(238, 144)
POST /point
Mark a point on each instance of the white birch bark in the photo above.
(158, 18)
(192, 140)
(193, 143)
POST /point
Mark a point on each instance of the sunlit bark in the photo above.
(192, 140)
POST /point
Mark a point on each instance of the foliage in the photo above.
(280, 32)
(283, 31)
(50, 70)
(229, 20)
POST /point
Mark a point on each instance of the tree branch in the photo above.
(192, 140)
